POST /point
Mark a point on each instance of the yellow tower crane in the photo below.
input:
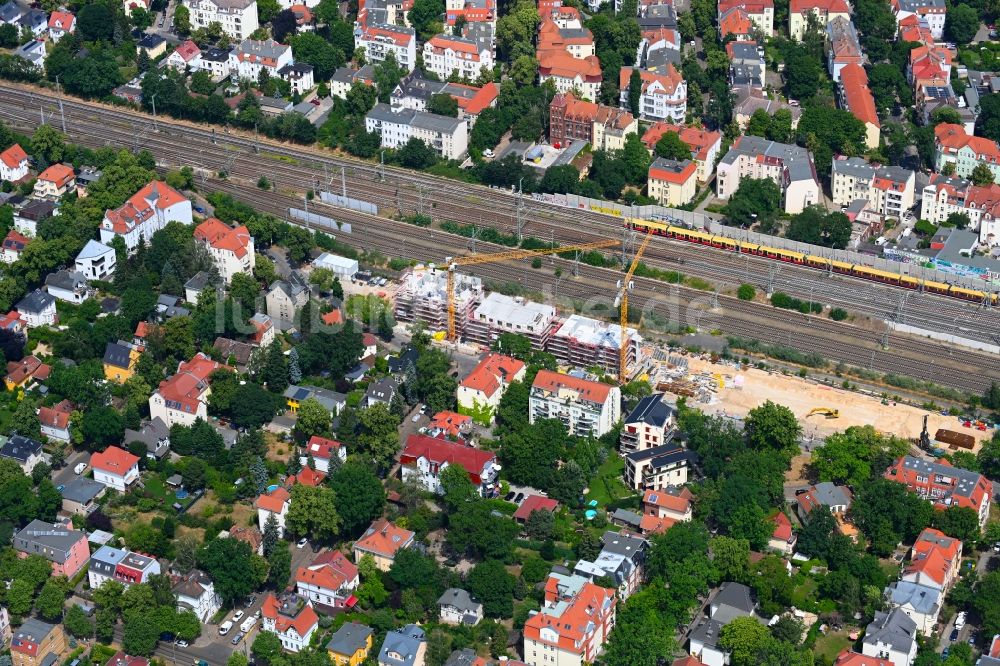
(622, 302)
(455, 262)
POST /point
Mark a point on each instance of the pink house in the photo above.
(65, 548)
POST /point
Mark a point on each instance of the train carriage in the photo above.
(974, 295)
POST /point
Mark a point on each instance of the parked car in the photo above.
(302, 543)
(237, 616)
(225, 627)
(237, 638)
(61, 487)
(248, 624)
(79, 468)
(489, 153)
(250, 600)
(954, 635)
(182, 644)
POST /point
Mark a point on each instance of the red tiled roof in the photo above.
(827, 6)
(735, 22)
(330, 571)
(849, 658)
(398, 37)
(186, 387)
(114, 460)
(14, 156)
(548, 380)
(670, 176)
(384, 538)
(953, 137)
(751, 6)
(28, 367)
(321, 447)
(698, 139)
(332, 318)
(486, 376)
(442, 43)
(441, 451)
(302, 623)
(687, 661)
(274, 501)
(535, 503)
(58, 174)
(187, 50)
(221, 236)
(664, 500)
(858, 97)
(62, 21)
(56, 416)
(307, 477)
(141, 206)
(450, 422)
(562, 65)
(782, 527)
(483, 99)
(669, 79)
(15, 241)
(576, 620)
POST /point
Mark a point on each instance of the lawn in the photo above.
(831, 645)
(607, 486)
(804, 595)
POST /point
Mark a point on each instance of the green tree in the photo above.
(756, 200)
(989, 457)
(743, 638)
(52, 598)
(816, 226)
(493, 586)
(360, 495)
(773, 427)
(313, 513)
(182, 20)
(95, 22)
(731, 558)
(387, 76)
(78, 623)
(959, 522)
(457, 487)
(140, 634)
(415, 154)
(961, 24)
(312, 49)
(443, 105)
(378, 438)
(313, 419)
(827, 131)
(47, 142)
(746, 292)
(267, 647)
(982, 175)
(474, 529)
(194, 474)
(412, 569)
(279, 566)
(635, 92)
(235, 569)
(987, 603)
(671, 147)
(851, 457)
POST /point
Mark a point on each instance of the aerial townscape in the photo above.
(500, 333)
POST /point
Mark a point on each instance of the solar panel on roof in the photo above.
(301, 394)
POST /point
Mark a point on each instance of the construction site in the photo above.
(423, 296)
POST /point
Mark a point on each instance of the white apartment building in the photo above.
(232, 249)
(251, 56)
(585, 407)
(96, 261)
(238, 18)
(379, 40)
(145, 213)
(889, 189)
(449, 137)
(445, 55)
(791, 167)
(195, 591)
(183, 398)
(274, 503)
(933, 11)
(573, 624)
(664, 96)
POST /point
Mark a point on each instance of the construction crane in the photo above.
(455, 262)
(622, 301)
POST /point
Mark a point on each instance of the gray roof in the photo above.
(10, 12)
(400, 647)
(66, 280)
(854, 166)
(37, 301)
(796, 160)
(428, 121)
(155, 435)
(117, 354)
(295, 70)
(921, 598)
(894, 628)
(350, 638)
(463, 657)
(627, 517)
(830, 494)
(198, 281)
(214, 54)
(53, 542)
(33, 18)
(383, 390)
(732, 601)
(267, 48)
(460, 599)
(914, 5)
(151, 41)
(82, 490)
(651, 410)
(192, 585)
(20, 448)
(32, 631)
(744, 51)
(93, 249)
(965, 480)
(332, 400)
(623, 544)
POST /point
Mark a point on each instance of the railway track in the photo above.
(410, 192)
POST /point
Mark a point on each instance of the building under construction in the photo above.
(585, 343)
(499, 314)
(423, 297)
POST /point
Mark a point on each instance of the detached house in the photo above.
(21, 374)
(55, 421)
(622, 559)
(37, 643)
(733, 600)
(183, 398)
(662, 508)
(237, 18)
(891, 636)
(274, 503)
(232, 249)
(457, 606)
(115, 468)
(704, 144)
(96, 261)
(61, 23)
(126, 567)
(38, 309)
(801, 12)
(403, 647)
(573, 624)
(934, 560)
(184, 56)
(13, 245)
(55, 181)
(66, 549)
(424, 458)
(13, 164)
(119, 362)
(382, 540)
(446, 55)
(24, 451)
(329, 582)
(782, 539)
(145, 213)
(664, 95)
(671, 182)
(292, 618)
(69, 286)
(350, 645)
(195, 592)
(480, 392)
(324, 450)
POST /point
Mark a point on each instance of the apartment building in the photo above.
(934, 12)
(329, 581)
(424, 458)
(664, 94)
(952, 144)
(146, 212)
(13, 164)
(55, 181)
(445, 56)
(671, 182)
(801, 13)
(232, 248)
(893, 636)
(855, 96)
(573, 624)
(842, 46)
(945, 195)
(414, 92)
(238, 18)
(448, 137)
(480, 391)
(889, 189)
(747, 68)
(66, 549)
(582, 342)
(658, 468)
(379, 40)
(603, 127)
(252, 56)
(789, 166)
(622, 559)
(499, 314)
(126, 567)
(704, 144)
(423, 296)
(944, 485)
(568, 73)
(935, 560)
(292, 618)
(184, 397)
(274, 503)
(37, 643)
(586, 408)
(759, 12)
(650, 424)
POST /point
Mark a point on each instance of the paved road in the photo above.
(66, 474)
(966, 631)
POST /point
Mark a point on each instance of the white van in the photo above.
(79, 468)
(225, 627)
(248, 624)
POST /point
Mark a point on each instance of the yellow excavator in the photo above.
(825, 411)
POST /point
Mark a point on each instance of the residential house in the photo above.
(573, 624)
(804, 13)
(329, 582)
(889, 189)
(944, 485)
(733, 600)
(13, 164)
(531, 504)
(126, 567)
(661, 509)
(30, 215)
(622, 559)
(921, 603)
(263, 333)
(782, 537)
(96, 261)
(235, 352)
(760, 13)
(449, 425)
(54, 421)
(790, 167)
(146, 212)
(285, 298)
(55, 181)
(449, 137)
(842, 47)
(122, 659)
(585, 407)
(445, 55)
(33, 52)
(378, 40)
(12, 322)
(826, 494)
(68, 285)
(456, 606)
(21, 374)
(423, 459)
(81, 494)
(664, 95)
(479, 393)
(186, 56)
(25, 451)
(382, 540)
(849, 658)
(299, 76)
(672, 183)
(273, 503)
(403, 647)
(332, 401)
(350, 645)
(37, 643)
(155, 434)
(251, 536)
(252, 56)
(746, 64)
(183, 398)
(231, 248)
(116, 468)
(154, 45)
(346, 78)
(237, 18)
(568, 73)
(935, 560)
(382, 391)
(650, 424)
(414, 91)
(292, 618)
(66, 549)
(323, 451)
(61, 23)
(933, 12)
(216, 62)
(603, 127)
(856, 97)
(892, 636)
(991, 657)
(195, 592)
(13, 245)
(953, 145)
(749, 100)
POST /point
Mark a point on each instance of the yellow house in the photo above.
(21, 373)
(119, 362)
(350, 645)
(672, 183)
